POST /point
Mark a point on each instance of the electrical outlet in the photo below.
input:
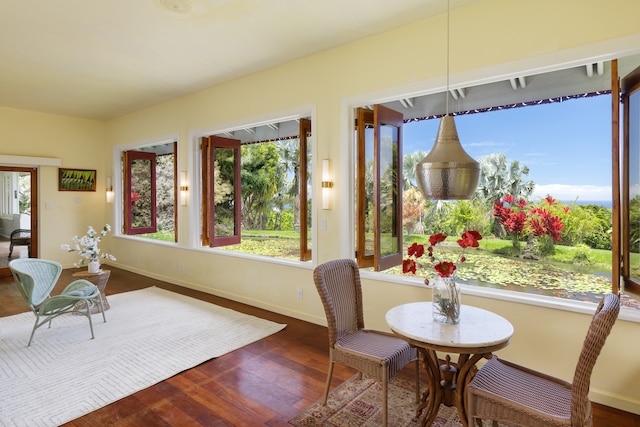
(299, 293)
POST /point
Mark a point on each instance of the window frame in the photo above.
(633, 286)
(307, 152)
(120, 177)
(208, 146)
(128, 157)
(629, 86)
(378, 117)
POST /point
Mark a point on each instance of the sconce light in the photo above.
(184, 188)
(109, 189)
(327, 184)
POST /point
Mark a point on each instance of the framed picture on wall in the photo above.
(76, 179)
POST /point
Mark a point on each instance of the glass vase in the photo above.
(446, 300)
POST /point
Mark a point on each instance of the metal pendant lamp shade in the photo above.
(447, 172)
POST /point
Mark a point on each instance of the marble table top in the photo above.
(477, 327)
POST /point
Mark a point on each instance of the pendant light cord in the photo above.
(448, 36)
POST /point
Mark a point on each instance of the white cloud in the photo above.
(571, 192)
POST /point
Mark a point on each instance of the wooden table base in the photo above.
(448, 384)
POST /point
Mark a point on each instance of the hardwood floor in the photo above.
(262, 384)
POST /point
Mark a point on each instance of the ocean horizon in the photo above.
(605, 203)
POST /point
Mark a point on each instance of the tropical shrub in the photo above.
(539, 226)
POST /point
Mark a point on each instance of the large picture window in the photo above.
(545, 200)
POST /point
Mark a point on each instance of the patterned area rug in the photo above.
(150, 335)
(356, 403)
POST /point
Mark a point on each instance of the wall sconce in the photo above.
(109, 189)
(327, 184)
(184, 188)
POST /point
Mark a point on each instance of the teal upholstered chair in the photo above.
(36, 278)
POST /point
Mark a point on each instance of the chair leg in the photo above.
(384, 403)
(35, 326)
(327, 386)
(88, 305)
(101, 303)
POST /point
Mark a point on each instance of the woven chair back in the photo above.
(601, 324)
(338, 283)
(35, 278)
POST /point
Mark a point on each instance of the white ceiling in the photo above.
(103, 58)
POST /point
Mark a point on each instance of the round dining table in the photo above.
(477, 335)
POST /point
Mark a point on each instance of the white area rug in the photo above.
(150, 335)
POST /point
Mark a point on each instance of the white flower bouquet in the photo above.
(87, 246)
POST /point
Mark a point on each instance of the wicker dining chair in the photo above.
(376, 353)
(36, 278)
(504, 391)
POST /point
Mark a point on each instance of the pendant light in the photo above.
(447, 172)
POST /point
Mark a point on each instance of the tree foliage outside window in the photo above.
(263, 178)
(151, 200)
(165, 194)
(24, 193)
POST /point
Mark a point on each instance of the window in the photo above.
(221, 183)
(255, 187)
(556, 149)
(150, 191)
(631, 183)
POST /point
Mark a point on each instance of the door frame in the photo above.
(33, 170)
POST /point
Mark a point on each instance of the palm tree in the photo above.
(409, 163)
(497, 180)
(289, 151)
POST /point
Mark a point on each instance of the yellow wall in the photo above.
(78, 143)
(489, 38)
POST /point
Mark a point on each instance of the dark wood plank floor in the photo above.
(262, 384)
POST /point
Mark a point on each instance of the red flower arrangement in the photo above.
(469, 239)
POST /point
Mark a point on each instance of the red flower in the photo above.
(437, 238)
(550, 200)
(415, 250)
(445, 268)
(508, 198)
(521, 203)
(408, 266)
(515, 222)
(469, 239)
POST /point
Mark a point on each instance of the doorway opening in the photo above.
(18, 215)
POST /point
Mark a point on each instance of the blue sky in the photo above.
(566, 145)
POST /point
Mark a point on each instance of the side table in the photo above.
(100, 280)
